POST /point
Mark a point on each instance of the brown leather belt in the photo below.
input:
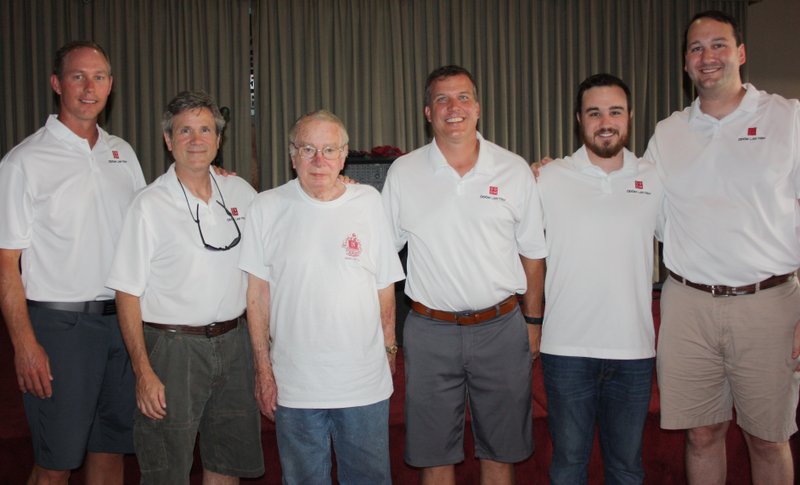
(211, 330)
(722, 290)
(468, 317)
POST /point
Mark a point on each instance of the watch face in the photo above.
(392, 349)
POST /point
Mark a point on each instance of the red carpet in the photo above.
(663, 450)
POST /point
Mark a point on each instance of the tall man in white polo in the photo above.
(470, 213)
(180, 294)
(601, 208)
(63, 194)
(730, 321)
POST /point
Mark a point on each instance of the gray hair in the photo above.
(190, 100)
(319, 115)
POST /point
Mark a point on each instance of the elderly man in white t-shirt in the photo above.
(180, 297)
(320, 304)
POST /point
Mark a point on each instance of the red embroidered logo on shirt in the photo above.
(752, 131)
(493, 190)
(638, 184)
(352, 246)
(234, 211)
(115, 154)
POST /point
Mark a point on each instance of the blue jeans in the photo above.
(582, 392)
(360, 437)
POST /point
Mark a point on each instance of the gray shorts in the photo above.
(93, 398)
(209, 384)
(716, 353)
(448, 367)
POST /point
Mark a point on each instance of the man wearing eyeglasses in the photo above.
(320, 305)
(180, 297)
(63, 193)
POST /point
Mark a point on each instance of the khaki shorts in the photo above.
(715, 353)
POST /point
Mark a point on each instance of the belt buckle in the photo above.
(719, 291)
(464, 315)
(210, 329)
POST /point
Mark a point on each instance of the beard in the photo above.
(606, 148)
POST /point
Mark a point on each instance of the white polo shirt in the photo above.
(161, 258)
(62, 203)
(325, 262)
(464, 234)
(600, 230)
(732, 187)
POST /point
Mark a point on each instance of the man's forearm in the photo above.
(129, 313)
(388, 304)
(12, 299)
(258, 301)
(533, 299)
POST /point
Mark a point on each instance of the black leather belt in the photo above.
(102, 307)
(211, 330)
(722, 290)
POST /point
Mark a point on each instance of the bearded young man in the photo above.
(600, 209)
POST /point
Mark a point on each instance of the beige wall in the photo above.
(773, 46)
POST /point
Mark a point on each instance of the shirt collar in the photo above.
(580, 161)
(61, 132)
(484, 165)
(171, 182)
(748, 104)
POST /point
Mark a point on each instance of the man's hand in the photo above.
(150, 396)
(536, 166)
(347, 180)
(33, 370)
(266, 393)
(535, 339)
(796, 346)
(221, 171)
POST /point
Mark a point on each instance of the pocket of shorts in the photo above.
(54, 321)
(148, 441)
(153, 341)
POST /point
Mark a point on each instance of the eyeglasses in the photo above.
(196, 219)
(307, 152)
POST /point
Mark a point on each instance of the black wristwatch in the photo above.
(534, 320)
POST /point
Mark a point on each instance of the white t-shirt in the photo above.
(599, 231)
(325, 262)
(62, 203)
(464, 234)
(732, 186)
(161, 258)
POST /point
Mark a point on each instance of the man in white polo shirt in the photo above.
(180, 295)
(470, 213)
(63, 194)
(601, 207)
(729, 336)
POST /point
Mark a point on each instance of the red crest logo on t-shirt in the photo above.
(752, 131)
(234, 211)
(638, 184)
(493, 190)
(352, 246)
(115, 154)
